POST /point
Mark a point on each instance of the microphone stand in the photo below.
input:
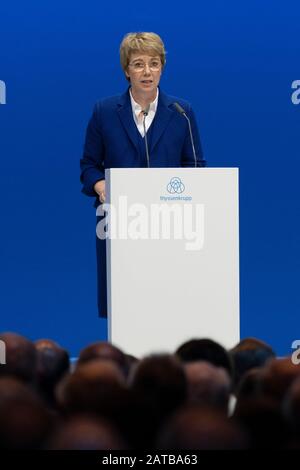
(183, 113)
(145, 113)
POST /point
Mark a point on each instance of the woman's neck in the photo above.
(143, 99)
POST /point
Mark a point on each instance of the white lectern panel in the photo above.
(170, 282)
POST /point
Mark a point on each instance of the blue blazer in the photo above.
(112, 141)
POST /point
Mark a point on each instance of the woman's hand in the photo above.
(100, 190)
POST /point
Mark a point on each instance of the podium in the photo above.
(172, 257)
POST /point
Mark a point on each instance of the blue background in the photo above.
(235, 61)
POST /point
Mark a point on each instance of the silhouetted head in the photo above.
(95, 387)
(52, 363)
(250, 385)
(277, 376)
(160, 381)
(104, 350)
(86, 433)
(20, 357)
(263, 420)
(207, 385)
(12, 388)
(24, 421)
(205, 350)
(291, 406)
(248, 354)
(201, 429)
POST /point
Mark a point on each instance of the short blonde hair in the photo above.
(148, 43)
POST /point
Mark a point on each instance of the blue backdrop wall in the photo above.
(237, 62)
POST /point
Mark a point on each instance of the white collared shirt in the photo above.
(136, 110)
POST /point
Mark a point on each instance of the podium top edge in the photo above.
(174, 169)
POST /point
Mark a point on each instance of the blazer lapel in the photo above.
(125, 113)
(163, 115)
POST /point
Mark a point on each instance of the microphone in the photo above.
(145, 113)
(183, 113)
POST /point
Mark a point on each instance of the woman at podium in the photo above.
(143, 127)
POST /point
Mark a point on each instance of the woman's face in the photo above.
(144, 72)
